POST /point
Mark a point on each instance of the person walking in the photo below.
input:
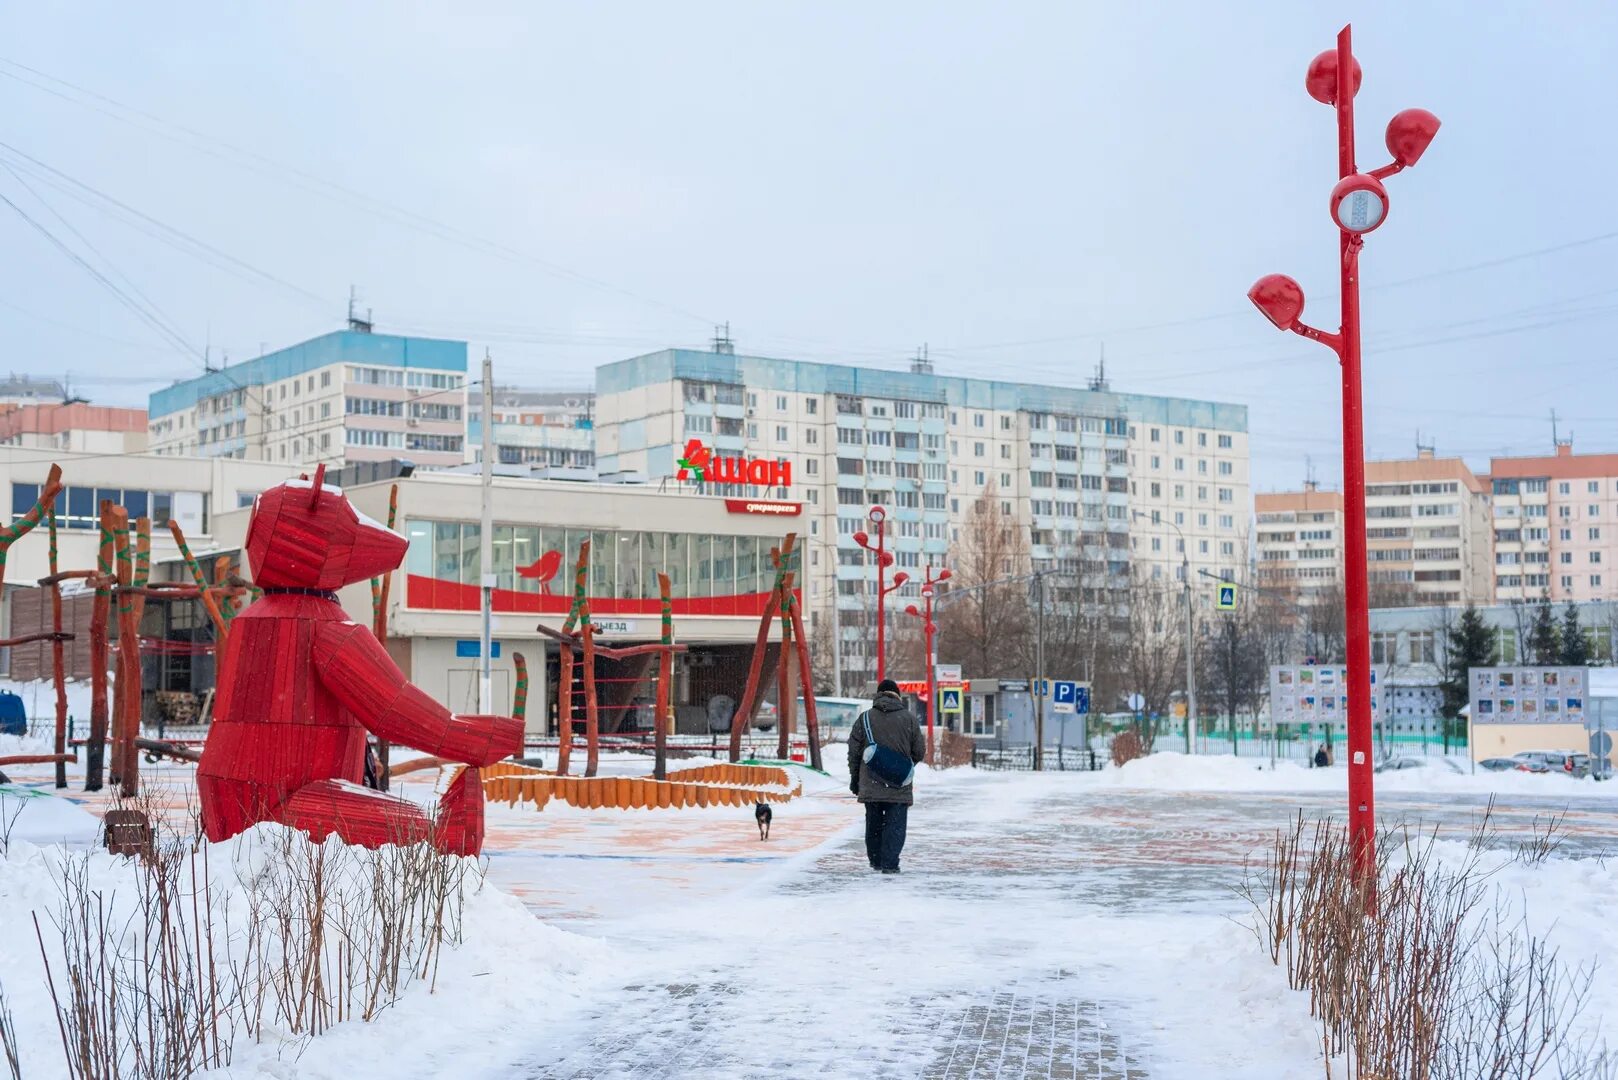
(1322, 759)
(884, 747)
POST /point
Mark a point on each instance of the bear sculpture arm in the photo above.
(355, 667)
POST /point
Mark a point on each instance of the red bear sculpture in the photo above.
(302, 685)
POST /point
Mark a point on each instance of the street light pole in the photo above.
(1358, 203)
(884, 559)
(1039, 665)
(929, 629)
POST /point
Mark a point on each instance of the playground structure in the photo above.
(122, 574)
(121, 584)
(794, 645)
(578, 634)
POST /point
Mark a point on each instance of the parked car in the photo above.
(1398, 764)
(1501, 764)
(1567, 762)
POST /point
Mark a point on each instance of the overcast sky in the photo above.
(1013, 184)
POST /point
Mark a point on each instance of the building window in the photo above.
(1595, 556)
(1179, 438)
(977, 420)
(977, 449)
(1593, 511)
(1225, 495)
(1005, 423)
(1224, 468)
(1155, 433)
(1224, 442)
(1567, 581)
(1562, 488)
(1005, 451)
(811, 405)
(1567, 558)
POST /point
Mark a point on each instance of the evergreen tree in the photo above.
(1575, 640)
(1471, 644)
(1544, 644)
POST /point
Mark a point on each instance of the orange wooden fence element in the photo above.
(708, 785)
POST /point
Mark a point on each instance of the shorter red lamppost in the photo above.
(884, 559)
(928, 628)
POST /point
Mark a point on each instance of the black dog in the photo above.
(763, 815)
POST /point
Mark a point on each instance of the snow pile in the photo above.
(475, 998)
(35, 817)
(1170, 771)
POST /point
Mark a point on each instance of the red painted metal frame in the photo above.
(929, 628)
(1334, 78)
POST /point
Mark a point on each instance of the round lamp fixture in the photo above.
(1359, 203)
(878, 514)
(1321, 82)
(1280, 299)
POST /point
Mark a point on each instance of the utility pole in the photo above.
(1190, 662)
(1039, 665)
(486, 544)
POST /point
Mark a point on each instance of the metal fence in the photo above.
(1021, 758)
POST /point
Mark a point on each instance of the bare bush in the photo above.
(1409, 974)
(1126, 747)
(8, 1038)
(160, 984)
(1545, 837)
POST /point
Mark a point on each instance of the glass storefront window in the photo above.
(471, 555)
(626, 552)
(447, 550)
(601, 563)
(702, 566)
(419, 555)
(747, 548)
(653, 561)
(679, 553)
(524, 550)
(505, 563)
(724, 565)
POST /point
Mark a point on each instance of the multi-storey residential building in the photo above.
(546, 430)
(26, 390)
(1299, 541)
(1426, 535)
(347, 396)
(1555, 526)
(1427, 532)
(76, 427)
(1099, 481)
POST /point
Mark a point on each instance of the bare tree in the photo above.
(1231, 662)
(1153, 647)
(985, 628)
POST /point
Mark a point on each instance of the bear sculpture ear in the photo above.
(320, 480)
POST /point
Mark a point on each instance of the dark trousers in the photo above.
(885, 833)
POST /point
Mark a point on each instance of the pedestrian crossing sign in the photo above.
(949, 701)
(1227, 598)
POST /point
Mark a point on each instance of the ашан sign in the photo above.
(702, 465)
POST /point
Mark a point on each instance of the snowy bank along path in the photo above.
(1080, 926)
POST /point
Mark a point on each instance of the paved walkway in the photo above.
(1011, 946)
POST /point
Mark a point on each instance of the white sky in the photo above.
(1013, 184)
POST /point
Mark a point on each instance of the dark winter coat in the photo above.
(893, 726)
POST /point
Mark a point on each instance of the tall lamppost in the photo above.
(929, 630)
(884, 559)
(1359, 203)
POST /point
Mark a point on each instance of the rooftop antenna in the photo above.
(921, 363)
(722, 344)
(1429, 448)
(1309, 472)
(355, 323)
(1556, 440)
(1098, 382)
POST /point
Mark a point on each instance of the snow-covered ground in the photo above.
(1071, 924)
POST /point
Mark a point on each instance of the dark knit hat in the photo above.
(887, 686)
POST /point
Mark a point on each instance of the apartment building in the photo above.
(1427, 535)
(347, 396)
(1427, 531)
(545, 430)
(1298, 541)
(1555, 526)
(1099, 481)
(76, 427)
(16, 390)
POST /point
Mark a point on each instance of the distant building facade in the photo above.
(76, 427)
(1555, 526)
(347, 396)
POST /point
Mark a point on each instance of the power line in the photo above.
(256, 162)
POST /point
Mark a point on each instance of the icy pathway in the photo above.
(1038, 930)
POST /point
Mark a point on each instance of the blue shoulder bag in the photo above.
(889, 765)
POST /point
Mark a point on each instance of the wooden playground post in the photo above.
(380, 587)
(96, 747)
(743, 716)
(663, 719)
(124, 577)
(138, 566)
(783, 711)
(58, 660)
(519, 697)
(806, 679)
(564, 707)
(592, 718)
(220, 623)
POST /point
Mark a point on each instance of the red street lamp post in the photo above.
(928, 628)
(1359, 203)
(884, 559)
